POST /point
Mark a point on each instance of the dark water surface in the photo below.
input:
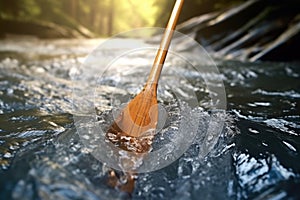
(42, 157)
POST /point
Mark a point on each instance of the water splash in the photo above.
(42, 157)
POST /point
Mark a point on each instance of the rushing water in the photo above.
(42, 156)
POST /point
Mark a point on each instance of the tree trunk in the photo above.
(110, 18)
(73, 7)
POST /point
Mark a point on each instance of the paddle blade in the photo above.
(134, 127)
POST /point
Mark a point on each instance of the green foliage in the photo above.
(101, 16)
(104, 17)
(18, 8)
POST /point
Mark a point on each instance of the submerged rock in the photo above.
(254, 30)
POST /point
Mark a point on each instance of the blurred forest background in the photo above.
(92, 18)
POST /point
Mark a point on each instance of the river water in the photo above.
(42, 156)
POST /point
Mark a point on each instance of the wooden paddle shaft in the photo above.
(164, 45)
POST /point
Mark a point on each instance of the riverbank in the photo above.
(255, 30)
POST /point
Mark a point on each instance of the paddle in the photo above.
(134, 128)
(139, 118)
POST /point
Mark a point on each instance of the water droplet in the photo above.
(9, 91)
(95, 167)
(7, 155)
(185, 168)
(85, 137)
(291, 147)
(253, 131)
(264, 144)
(4, 164)
(157, 193)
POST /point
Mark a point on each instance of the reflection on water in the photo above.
(42, 157)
